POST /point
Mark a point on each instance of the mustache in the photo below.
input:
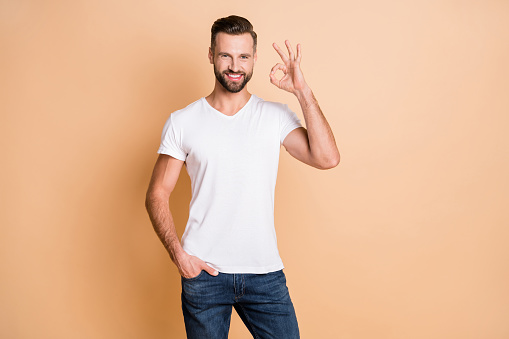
(235, 73)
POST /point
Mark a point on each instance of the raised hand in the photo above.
(293, 79)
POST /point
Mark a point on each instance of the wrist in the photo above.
(177, 252)
(305, 97)
(304, 93)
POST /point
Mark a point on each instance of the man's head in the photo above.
(233, 25)
(233, 52)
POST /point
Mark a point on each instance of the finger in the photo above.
(191, 276)
(299, 53)
(272, 75)
(189, 272)
(278, 67)
(275, 81)
(290, 50)
(209, 269)
(280, 52)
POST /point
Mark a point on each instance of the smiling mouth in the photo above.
(234, 77)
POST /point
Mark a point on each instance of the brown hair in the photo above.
(234, 25)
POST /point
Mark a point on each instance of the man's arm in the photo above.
(164, 177)
(315, 145)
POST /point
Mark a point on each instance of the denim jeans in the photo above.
(261, 300)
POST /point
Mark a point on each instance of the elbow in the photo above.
(153, 195)
(148, 200)
(330, 162)
(337, 159)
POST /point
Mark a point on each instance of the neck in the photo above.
(227, 102)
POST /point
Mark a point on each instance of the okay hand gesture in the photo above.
(293, 79)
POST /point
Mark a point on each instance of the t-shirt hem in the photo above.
(170, 153)
(287, 131)
(248, 269)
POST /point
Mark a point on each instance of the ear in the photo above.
(255, 56)
(211, 56)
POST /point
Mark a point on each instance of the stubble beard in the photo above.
(230, 86)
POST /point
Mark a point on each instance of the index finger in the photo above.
(280, 52)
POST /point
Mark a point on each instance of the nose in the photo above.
(234, 66)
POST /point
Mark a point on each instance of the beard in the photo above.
(229, 85)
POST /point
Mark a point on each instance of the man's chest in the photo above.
(249, 141)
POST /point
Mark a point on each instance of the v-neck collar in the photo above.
(240, 111)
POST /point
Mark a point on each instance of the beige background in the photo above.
(406, 238)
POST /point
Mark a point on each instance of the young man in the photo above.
(230, 143)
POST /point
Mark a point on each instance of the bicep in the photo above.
(165, 174)
(297, 144)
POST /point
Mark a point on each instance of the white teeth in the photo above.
(234, 76)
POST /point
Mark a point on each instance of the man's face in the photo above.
(233, 60)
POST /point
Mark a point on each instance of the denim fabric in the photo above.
(261, 300)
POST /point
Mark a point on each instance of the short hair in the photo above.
(234, 25)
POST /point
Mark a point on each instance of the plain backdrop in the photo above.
(406, 238)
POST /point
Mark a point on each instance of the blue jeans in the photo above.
(261, 300)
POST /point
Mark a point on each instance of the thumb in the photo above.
(210, 270)
(274, 80)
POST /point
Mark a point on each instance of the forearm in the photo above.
(162, 221)
(322, 144)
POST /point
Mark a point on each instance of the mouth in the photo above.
(234, 77)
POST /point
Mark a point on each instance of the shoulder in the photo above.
(192, 107)
(186, 113)
(270, 105)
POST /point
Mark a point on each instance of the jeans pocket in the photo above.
(194, 278)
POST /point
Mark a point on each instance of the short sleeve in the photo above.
(171, 142)
(289, 121)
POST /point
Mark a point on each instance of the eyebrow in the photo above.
(243, 54)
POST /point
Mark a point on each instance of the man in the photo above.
(230, 143)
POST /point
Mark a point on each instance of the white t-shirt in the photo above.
(232, 162)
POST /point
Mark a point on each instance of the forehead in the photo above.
(234, 44)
